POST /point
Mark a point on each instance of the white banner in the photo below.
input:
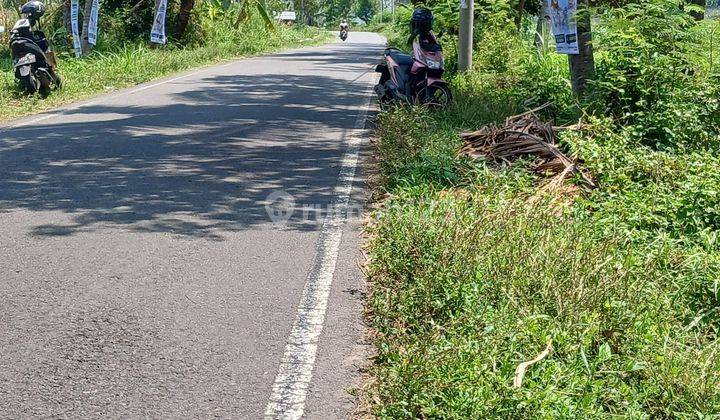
(93, 23)
(564, 27)
(74, 15)
(157, 35)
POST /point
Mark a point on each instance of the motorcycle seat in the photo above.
(401, 58)
(24, 46)
(430, 46)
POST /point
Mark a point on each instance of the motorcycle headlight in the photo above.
(434, 65)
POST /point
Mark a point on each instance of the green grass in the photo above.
(473, 271)
(133, 64)
(469, 284)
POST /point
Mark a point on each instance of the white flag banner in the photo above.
(564, 27)
(157, 35)
(74, 15)
(93, 23)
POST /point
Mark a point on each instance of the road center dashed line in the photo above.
(289, 392)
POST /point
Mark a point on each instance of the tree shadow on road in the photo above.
(201, 166)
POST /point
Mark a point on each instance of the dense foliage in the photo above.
(475, 268)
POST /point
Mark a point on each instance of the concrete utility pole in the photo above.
(465, 41)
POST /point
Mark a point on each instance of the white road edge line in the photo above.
(289, 392)
(174, 79)
(121, 92)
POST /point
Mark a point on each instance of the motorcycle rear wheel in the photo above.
(30, 83)
(435, 96)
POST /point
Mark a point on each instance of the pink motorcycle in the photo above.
(415, 78)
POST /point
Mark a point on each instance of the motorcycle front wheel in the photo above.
(435, 96)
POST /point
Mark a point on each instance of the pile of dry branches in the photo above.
(524, 135)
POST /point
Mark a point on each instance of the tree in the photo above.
(365, 10)
(698, 14)
(186, 7)
(86, 46)
(66, 16)
(582, 65)
(336, 10)
(519, 14)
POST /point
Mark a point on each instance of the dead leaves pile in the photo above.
(526, 136)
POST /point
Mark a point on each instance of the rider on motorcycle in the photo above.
(344, 29)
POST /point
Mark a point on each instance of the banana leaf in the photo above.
(264, 14)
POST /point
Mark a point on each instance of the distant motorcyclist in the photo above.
(344, 29)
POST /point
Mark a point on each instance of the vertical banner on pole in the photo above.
(564, 26)
(74, 15)
(157, 35)
(93, 23)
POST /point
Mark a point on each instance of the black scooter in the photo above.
(34, 62)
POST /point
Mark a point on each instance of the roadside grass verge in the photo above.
(132, 64)
(468, 284)
(474, 270)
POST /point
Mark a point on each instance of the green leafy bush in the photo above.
(648, 77)
(474, 271)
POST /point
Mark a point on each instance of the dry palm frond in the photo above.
(524, 135)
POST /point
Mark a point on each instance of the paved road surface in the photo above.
(140, 273)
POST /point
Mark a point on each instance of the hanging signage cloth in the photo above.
(93, 23)
(564, 27)
(74, 15)
(157, 35)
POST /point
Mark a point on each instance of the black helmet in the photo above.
(33, 9)
(422, 21)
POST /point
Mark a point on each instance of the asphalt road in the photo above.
(141, 274)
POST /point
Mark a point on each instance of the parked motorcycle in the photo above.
(415, 78)
(34, 62)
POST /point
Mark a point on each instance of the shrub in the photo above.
(648, 77)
